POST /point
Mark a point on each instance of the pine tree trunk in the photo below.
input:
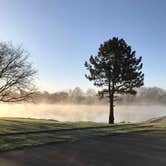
(111, 113)
(111, 104)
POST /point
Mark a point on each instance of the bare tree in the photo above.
(16, 74)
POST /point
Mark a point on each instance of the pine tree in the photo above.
(116, 69)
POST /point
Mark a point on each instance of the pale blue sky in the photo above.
(62, 34)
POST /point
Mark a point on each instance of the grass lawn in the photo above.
(23, 125)
(18, 132)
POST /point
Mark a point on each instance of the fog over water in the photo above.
(97, 113)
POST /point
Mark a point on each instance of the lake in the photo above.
(97, 113)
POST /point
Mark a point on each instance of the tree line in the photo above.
(145, 95)
(72, 96)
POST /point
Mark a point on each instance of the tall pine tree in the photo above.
(116, 69)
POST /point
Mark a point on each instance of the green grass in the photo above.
(20, 141)
(18, 132)
(19, 125)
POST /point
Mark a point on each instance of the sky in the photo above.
(62, 34)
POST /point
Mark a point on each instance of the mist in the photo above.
(71, 112)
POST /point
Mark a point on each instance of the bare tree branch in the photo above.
(16, 74)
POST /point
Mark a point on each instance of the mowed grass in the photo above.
(18, 133)
(24, 132)
(20, 141)
(26, 125)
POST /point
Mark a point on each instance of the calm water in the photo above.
(97, 113)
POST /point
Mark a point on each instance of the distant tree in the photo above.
(91, 96)
(60, 97)
(90, 92)
(16, 74)
(116, 69)
(77, 95)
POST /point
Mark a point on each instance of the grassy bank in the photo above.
(26, 125)
(18, 133)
